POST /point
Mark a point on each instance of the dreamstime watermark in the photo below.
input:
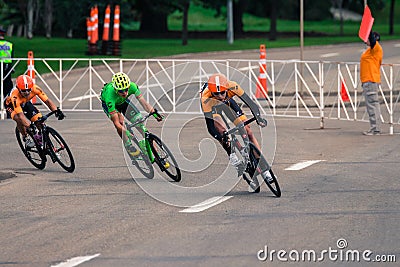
(340, 253)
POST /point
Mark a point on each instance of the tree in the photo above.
(48, 19)
(391, 17)
(339, 5)
(32, 11)
(273, 30)
(239, 7)
(154, 15)
(186, 5)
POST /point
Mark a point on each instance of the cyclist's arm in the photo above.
(149, 108)
(212, 130)
(115, 118)
(250, 103)
(50, 104)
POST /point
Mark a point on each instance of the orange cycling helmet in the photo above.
(24, 82)
(218, 83)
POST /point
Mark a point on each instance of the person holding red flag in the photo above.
(370, 75)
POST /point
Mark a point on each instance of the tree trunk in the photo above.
(238, 10)
(341, 17)
(29, 23)
(273, 18)
(391, 18)
(48, 19)
(153, 21)
(186, 6)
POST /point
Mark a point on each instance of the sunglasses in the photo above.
(218, 93)
(123, 91)
(25, 91)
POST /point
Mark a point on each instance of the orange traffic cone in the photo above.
(262, 90)
(343, 93)
(31, 73)
(116, 51)
(106, 32)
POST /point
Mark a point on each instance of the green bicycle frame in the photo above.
(145, 147)
(144, 143)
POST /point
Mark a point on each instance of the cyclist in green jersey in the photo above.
(115, 103)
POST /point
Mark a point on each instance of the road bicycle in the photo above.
(48, 142)
(253, 161)
(152, 150)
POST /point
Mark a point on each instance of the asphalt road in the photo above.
(102, 214)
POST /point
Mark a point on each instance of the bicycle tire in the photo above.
(57, 145)
(157, 145)
(142, 161)
(35, 156)
(260, 165)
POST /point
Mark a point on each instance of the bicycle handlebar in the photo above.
(239, 126)
(143, 119)
(45, 117)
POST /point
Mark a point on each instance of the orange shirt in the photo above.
(370, 64)
(16, 99)
(208, 101)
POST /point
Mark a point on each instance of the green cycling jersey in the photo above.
(112, 99)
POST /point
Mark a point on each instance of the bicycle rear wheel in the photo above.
(35, 156)
(162, 155)
(59, 150)
(263, 169)
(141, 161)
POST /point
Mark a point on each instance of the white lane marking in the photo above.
(206, 204)
(75, 261)
(302, 165)
(397, 45)
(330, 55)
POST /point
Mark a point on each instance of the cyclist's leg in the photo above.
(220, 125)
(236, 115)
(30, 114)
(121, 118)
(133, 114)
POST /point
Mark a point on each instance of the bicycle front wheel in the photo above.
(262, 168)
(164, 158)
(59, 150)
(35, 156)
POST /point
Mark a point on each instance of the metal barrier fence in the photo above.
(311, 89)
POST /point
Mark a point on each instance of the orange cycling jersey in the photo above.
(16, 101)
(208, 101)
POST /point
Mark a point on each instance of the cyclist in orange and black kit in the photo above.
(20, 108)
(217, 97)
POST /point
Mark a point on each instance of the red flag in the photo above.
(366, 24)
(343, 93)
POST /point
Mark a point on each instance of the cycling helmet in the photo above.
(24, 83)
(120, 81)
(218, 83)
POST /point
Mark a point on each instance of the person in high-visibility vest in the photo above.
(6, 55)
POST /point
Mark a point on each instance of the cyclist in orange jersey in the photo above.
(22, 111)
(217, 97)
